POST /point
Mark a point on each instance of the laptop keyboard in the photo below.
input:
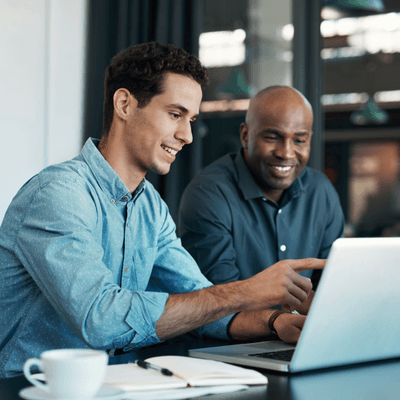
(283, 355)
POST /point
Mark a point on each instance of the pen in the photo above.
(146, 365)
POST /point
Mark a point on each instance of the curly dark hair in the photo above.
(141, 69)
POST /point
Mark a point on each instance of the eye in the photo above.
(273, 138)
(300, 141)
(175, 115)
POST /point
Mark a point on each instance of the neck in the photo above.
(114, 152)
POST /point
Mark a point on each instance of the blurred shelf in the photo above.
(347, 135)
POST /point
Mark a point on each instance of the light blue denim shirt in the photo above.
(83, 262)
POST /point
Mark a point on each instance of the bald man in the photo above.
(250, 209)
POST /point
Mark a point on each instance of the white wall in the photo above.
(42, 49)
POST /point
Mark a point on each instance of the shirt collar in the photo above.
(249, 186)
(105, 175)
(246, 182)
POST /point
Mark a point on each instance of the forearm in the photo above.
(188, 311)
(278, 284)
(249, 325)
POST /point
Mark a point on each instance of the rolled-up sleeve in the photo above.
(175, 271)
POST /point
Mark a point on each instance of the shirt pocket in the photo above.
(143, 262)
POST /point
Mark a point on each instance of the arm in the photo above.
(279, 284)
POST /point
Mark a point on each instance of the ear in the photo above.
(124, 103)
(244, 134)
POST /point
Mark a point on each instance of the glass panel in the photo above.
(362, 115)
(247, 46)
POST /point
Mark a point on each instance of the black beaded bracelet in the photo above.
(272, 319)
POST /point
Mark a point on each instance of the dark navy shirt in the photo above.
(234, 232)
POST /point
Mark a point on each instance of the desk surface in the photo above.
(367, 381)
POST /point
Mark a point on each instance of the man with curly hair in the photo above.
(88, 251)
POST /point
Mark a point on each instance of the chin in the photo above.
(280, 185)
(160, 171)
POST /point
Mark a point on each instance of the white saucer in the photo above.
(105, 393)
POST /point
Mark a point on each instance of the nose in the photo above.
(285, 150)
(184, 133)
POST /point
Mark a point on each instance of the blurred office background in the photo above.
(344, 55)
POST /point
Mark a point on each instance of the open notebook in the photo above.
(353, 319)
(186, 372)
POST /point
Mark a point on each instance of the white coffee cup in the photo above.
(69, 373)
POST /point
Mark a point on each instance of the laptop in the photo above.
(354, 317)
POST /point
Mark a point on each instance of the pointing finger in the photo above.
(307, 263)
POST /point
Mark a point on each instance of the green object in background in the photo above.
(361, 5)
(369, 113)
(235, 87)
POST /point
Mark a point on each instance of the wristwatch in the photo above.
(272, 319)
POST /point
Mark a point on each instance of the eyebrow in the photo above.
(183, 109)
(279, 133)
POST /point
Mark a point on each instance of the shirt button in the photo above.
(126, 269)
(283, 247)
(127, 224)
(112, 201)
(279, 211)
(125, 198)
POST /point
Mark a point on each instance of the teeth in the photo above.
(282, 169)
(172, 151)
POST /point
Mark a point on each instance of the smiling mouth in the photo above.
(282, 169)
(169, 150)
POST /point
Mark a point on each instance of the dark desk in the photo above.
(370, 381)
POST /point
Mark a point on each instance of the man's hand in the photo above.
(254, 325)
(304, 307)
(281, 284)
(289, 326)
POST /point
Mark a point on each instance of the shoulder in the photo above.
(218, 177)
(210, 195)
(68, 174)
(319, 190)
(69, 184)
(74, 171)
(315, 180)
(56, 195)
